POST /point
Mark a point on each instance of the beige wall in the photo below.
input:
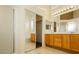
(6, 29)
(19, 25)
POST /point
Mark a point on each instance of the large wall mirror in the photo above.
(30, 43)
(69, 22)
(63, 26)
(71, 27)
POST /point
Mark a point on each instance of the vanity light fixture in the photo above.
(67, 9)
(63, 10)
(72, 7)
(56, 14)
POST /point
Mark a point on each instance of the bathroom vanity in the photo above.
(64, 41)
(65, 33)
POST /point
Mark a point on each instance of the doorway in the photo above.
(38, 31)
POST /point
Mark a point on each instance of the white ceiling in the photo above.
(55, 9)
(46, 7)
(52, 7)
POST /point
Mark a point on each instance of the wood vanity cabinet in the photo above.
(33, 37)
(65, 41)
(47, 39)
(57, 40)
(74, 42)
(51, 40)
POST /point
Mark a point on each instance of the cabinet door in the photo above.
(47, 39)
(51, 40)
(74, 42)
(65, 41)
(57, 40)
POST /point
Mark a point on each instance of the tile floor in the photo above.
(30, 45)
(46, 50)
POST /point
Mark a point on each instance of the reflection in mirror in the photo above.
(63, 26)
(48, 27)
(32, 25)
(30, 31)
(68, 22)
(55, 26)
(71, 27)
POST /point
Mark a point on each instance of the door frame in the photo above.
(42, 29)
